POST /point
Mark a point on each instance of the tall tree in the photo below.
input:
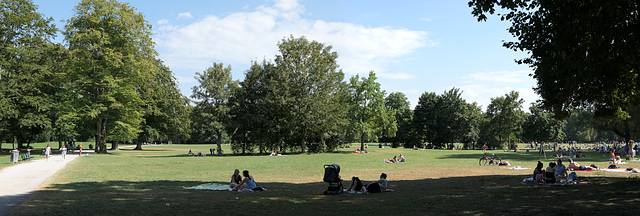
(506, 116)
(166, 114)
(27, 59)
(398, 103)
(584, 52)
(424, 117)
(212, 98)
(311, 84)
(113, 57)
(370, 119)
(541, 125)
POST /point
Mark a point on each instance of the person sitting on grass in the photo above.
(357, 151)
(561, 171)
(575, 166)
(538, 173)
(235, 179)
(248, 183)
(275, 153)
(190, 152)
(550, 173)
(401, 158)
(617, 160)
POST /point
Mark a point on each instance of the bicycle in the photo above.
(489, 160)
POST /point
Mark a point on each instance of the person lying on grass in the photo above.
(575, 166)
(235, 179)
(617, 160)
(248, 183)
(374, 187)
(392, 160)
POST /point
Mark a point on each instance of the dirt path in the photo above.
(16, 182)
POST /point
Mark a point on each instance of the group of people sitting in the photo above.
(395, 159)
(378, 186)
(558, 172)
(552, 174)
(248, 183)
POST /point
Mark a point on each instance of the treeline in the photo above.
(107, 84)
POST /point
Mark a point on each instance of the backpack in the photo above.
(613, 166)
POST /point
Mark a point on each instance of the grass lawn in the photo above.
(128, 182)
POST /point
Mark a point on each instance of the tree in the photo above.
(370, 119)
(27, 64)
(212, 95)
(424, 117)
(505, 114)
(166, 114)
(398, 103)
(113, 56)
(541, 125)
(447, 118)
(584, 52)
(310, 87)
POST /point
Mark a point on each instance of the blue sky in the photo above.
(413, 46)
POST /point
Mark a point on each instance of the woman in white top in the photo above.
(47, 151)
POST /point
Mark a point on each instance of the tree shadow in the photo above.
(487, 195)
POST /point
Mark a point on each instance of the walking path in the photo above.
(18, 181)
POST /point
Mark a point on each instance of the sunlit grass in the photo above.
(129, 182)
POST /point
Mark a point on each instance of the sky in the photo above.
(413, 46)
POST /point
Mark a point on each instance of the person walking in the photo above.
(47, 151)
(63, 152)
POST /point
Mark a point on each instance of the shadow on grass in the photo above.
(491, 195)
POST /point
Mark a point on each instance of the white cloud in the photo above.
(424, 19)
(186, 15)
(163, 22)
(483, 86)
(185, 79)
(240, 37)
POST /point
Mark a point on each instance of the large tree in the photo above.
(398, 103)
(540, 125)
(27, 65)
(584, 52)
(370, 119)
(212, 101)
(310, 86)
(506, 117)
(113, 57)
(166, 114)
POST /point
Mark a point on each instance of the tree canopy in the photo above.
(584, 52)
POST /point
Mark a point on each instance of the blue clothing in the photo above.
(251, 184)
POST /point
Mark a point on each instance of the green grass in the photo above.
(439, 182)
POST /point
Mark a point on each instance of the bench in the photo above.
(24, 157)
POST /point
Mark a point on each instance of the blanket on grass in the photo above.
(210, 186)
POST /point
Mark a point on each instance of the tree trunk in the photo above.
(303, 144)
(114, 145)
(219, 142)
(361, 141)
(60, 142)
(138, 144)
(101, 145)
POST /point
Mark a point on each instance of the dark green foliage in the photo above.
(584, 52)
(27, 59)
(541, 125)
(370, 119)
(445, 119)
(505, 118)
(296, 103)
(398, 103)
